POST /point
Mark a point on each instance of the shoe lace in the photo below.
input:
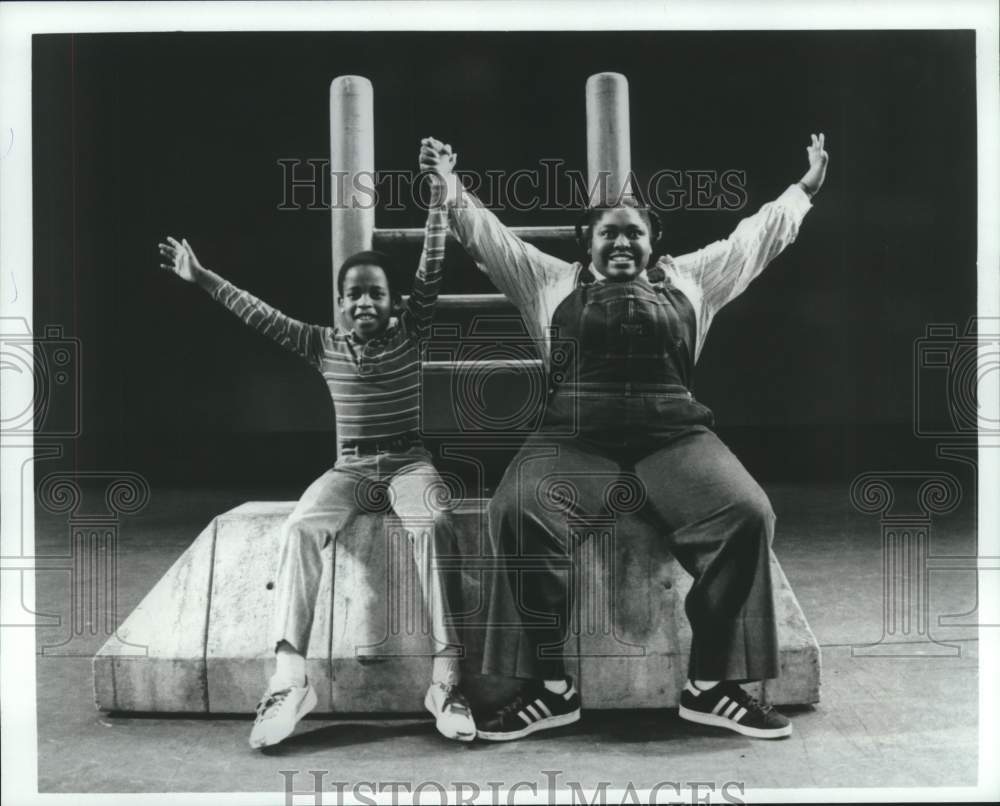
(266, 707)
(512, 707)
(750, 702)
(454, 700)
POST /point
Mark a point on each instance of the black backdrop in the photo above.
(810, 372)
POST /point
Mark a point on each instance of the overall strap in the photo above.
(679, 347)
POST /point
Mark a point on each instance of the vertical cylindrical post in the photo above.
(609, 154)
(352, 170)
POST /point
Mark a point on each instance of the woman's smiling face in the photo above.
(620, 245)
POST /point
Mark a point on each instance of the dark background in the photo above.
(810, 372)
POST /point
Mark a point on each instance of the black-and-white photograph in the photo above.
(456, 403)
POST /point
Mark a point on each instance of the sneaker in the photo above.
(726, 705)
(279, 711)
(534, 708)
(452, 714)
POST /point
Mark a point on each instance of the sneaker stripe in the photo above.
(691, 688)
(729, 711)
(527, 719)
(739, 714)
(543, 708)
(721, 704)
(533, 712)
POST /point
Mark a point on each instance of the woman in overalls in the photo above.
(621, 408)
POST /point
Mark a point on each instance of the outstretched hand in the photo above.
(178, 257)
(818, 158)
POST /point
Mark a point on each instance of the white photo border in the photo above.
(19, 21)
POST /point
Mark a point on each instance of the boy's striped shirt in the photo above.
(375, 386)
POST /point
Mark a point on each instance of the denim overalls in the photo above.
(632, 373)
(620, 416)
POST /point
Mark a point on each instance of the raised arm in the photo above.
(722, 270)
(519, 270)
(301, 338)
(419, 312)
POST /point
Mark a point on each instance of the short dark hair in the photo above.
(591, 215)
(370, 258)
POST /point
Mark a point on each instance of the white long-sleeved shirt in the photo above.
(710, 277)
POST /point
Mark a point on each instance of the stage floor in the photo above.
(907, 721)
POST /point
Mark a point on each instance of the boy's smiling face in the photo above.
(365, 302)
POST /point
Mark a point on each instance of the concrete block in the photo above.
(637, 657)
(156, 659)
(381, 646)
(206, 622)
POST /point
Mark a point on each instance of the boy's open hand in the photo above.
(818, 158)
(178, 257)
(436, 157)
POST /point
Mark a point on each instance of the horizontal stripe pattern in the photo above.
(375, 387)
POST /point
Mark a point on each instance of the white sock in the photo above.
(705, 685)
(557, 686)
(291, 666)
(445, 670)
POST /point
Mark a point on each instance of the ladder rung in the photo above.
(476, 302)
(410, 235)
(528, 364)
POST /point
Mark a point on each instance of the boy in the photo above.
(373, 374)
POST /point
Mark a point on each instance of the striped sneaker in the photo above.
(534, 708)
(726, 705)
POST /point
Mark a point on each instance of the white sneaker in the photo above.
(452, 714)
(279, 711)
